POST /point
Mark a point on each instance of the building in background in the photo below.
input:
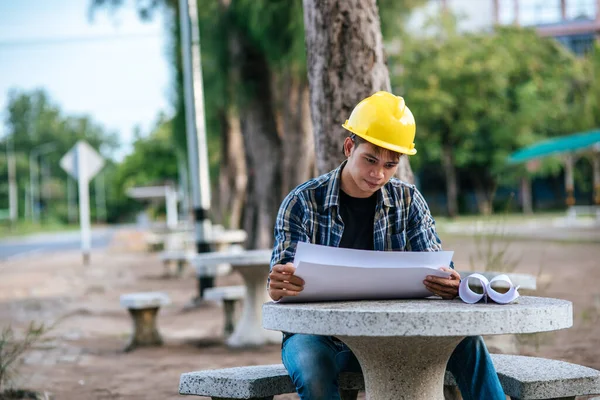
(575, 23)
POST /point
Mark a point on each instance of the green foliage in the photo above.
(276, 27)
(485, 95)
(153, 161)
(33, 120)
(394, 15)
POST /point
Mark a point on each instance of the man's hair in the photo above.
(357, 140)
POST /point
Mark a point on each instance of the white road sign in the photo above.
(82, 162)
(93, 162)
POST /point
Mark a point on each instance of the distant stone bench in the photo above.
(154, 242)
(180, 258)
(229, 295)
(574, 211)
(143, 308)
(523, 378)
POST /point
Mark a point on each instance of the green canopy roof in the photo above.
(563, 144)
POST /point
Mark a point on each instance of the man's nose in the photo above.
(377, 172)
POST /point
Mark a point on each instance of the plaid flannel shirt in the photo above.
(310, 213)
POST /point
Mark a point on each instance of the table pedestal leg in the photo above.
(249, 331)
(144, 329)
(403, 368)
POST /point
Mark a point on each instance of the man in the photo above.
(360, 205)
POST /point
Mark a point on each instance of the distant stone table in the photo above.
(143, 308)
(254, 266)
(403, 346)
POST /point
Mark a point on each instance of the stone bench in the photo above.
(154, 242)
(229, 295)
(591, 210)
(521, 377)
(179, 258)
(143, 308)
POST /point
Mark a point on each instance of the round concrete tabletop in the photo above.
(236, 258)
(424, 317)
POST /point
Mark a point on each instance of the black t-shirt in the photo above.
(358, 215)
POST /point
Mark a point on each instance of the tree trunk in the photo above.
(483, 196)
(232, 174)
(295, 127)
(526, 202)
(451, 181)
(262, 145)
(346, 63)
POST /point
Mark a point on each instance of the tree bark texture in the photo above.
(233, 178)
(483, 195)
(451, 181)
(346, 63)
(262, 145)
(295, 128)
(526, 195)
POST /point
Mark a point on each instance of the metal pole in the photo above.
(32, 186)
(100, 198)
(34, 177)
(71, 201)
(196, 130)
(13, 200)
(84, 206)
(183, 188)
(42, 183)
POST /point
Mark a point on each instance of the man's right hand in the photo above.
(283, 282)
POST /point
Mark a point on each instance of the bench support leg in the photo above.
(229, 310)
(180, 267)
(144, 329)
(451, 393)
(348, 394)
(167, 269)
(253, 398)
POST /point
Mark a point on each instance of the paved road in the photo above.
(51, 242)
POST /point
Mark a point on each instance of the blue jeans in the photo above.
(315, 362)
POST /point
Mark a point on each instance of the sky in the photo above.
(113, 68)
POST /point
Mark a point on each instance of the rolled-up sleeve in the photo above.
(290, 228)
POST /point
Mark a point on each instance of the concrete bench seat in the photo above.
(143, 308)
(590, 210)
(229, 295)
(522, 377)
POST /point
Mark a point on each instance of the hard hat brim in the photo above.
(382, 144)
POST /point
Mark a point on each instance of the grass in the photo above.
(24, 228)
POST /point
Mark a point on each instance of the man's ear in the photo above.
(348, 145)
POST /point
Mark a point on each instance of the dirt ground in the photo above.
(83, 357)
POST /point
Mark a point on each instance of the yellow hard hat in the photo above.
(384, 120)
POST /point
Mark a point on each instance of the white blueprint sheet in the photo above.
(332, 273)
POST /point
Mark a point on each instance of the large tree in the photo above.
(346, 63)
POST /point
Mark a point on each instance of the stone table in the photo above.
(254, 266)
(403, 346)
(220, 240)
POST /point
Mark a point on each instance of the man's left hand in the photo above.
(446, 288)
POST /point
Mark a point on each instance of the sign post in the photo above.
(82, 162)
